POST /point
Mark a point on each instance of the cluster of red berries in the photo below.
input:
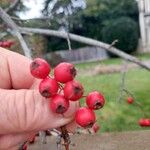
(62, 88)
(143, 122)
(6, 44)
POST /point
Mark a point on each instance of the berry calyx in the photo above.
(85, 117)
(95, 127)
(64, 72)
(58, 104)
(73, 90)
(144, 122)
(39, 68)
(48, 87)
(130, 100)
(95, 100)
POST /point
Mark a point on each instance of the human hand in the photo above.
(23, 111)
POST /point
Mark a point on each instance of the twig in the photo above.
(135, 102)
(12, 6)
(67, 28)
(122, 84)
(113, 44)
(23, 145)
(87, 41)
(42, 135)
(65, 136)
(69, 42)
(54, 132)
(58, 141)
(6, 18)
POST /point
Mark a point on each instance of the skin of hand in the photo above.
(23, 111)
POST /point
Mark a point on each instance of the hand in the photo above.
(23, 111)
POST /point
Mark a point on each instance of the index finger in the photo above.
(14, 70)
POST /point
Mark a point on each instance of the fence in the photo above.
(85, 54)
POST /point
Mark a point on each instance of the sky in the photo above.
(35, 6)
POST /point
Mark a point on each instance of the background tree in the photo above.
(90, 20)
(19, 32)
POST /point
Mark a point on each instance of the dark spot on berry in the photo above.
(34, 65)
(46, 93)
(60, 109)
(73, 71)
(97, 105)
(77, 90)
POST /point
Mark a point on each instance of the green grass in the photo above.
(119, 116)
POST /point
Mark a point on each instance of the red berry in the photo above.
(73, 90)
(130, 100)
(144, 122)
(39, 68)
(95, 100)
(58, 104)
(64, 72)
(11, 42)
(95, 127)
(48, 87)
(25, 147)
(1, 43)
(85, 117)
(5, 44)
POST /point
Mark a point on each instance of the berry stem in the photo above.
(128, 93)
(139, 105)
(65, 137)
(141, 108)
(61, 86)
(23, 145)
(83, 96)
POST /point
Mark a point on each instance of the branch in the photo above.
(146, 14)
(6, 18)
(122, 84)
(12, 6)
(87, 41)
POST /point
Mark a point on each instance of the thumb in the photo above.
(27, 111)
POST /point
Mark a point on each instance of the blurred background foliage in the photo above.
(104, 20)
(93, 19)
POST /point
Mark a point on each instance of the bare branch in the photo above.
(113, 43)
(12, 6)
(69, 42)
(10, 23)
(147, 14)
(122, 84)
(87, 41)
(42, 135)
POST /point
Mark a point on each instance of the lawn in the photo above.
(119, 116)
